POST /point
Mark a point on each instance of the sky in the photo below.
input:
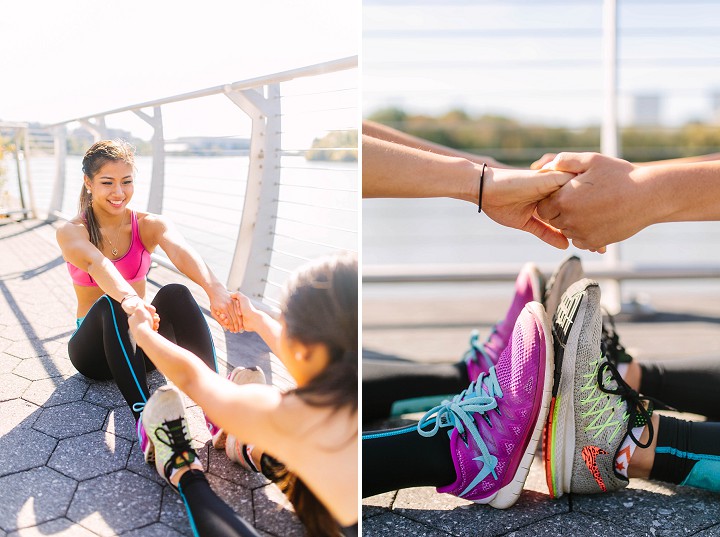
(67, 59)
(539, 61)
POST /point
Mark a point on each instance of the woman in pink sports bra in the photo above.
(107, 247)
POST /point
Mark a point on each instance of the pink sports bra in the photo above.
(133, 266)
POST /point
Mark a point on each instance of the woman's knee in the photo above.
(174, 292)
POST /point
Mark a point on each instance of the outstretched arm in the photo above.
(612, 199)
(383, 132)
(189, 262)
(509, 197)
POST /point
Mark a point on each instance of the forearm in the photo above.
(109, 279)
(268, 329)
(383, 132)
(179, 365)
(396, 171)
(687, 192)
(684, 160)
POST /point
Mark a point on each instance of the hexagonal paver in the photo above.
(12, 386)
(60, 527)
(121, 422)
(174, 514)
(668, 509)
(71, 419)
(23, 348)
(238, 498)
(17, 414)
(136, 463)
(219, 465)
(55, 391)
(105, 394)
(155, 530)
(90, 455)
(34, 497)
(7, 362)
(269, 517)
(44, 367)
(116, 503)
(389, 525)
(24, 448)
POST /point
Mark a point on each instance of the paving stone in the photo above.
(668, 509)
(24, 348)
(575, 524)
(115, 503)
(713, 531)
(136, 463)
(390, 525)
(56, 391)
(121, 422)
(24, 448)
(378, 504)
(173, 512)
(7, 362)
(60, 527)
(154, 530)
(105, 394)
(452, 515)
(71, 419)
(238, 498)
(12, 386)
(44, 367)
(90, 455)
(221, 466)
(274, 513)
(33, 497)
(17, 414)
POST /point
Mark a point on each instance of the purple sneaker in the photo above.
(498, 420)
(529, 287)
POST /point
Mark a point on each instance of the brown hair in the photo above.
(95, 158)
(321, 306)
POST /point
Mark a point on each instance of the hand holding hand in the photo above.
(141, 322)
(510, 197)
(247, 313)
(607, 202)
(223, 310)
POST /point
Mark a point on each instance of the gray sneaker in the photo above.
(567, 273)
(592, 409)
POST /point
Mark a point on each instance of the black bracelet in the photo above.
(482, 181)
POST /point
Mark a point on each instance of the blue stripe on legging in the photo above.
(686, 455)
(187, 508)
(127, 358)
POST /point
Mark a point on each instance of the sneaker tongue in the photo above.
(640, 419)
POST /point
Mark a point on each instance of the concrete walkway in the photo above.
(435, 329)
(70, 464)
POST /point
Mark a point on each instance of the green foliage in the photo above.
(336, 146)
(508, 140)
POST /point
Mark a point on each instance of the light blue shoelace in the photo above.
(459, 412)
(476, 346)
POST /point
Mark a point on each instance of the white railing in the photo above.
(254, 214)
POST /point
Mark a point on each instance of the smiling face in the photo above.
(112, 187)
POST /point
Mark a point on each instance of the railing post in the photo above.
(251, 260)
(157, 182)
(58, 194)
(28, 171)
(18, 165)
(609, 143)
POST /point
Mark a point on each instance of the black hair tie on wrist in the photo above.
(482, 181)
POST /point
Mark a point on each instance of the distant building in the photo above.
(646, 110)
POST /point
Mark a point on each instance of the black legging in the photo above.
(101, 348)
